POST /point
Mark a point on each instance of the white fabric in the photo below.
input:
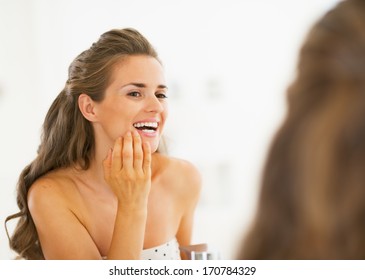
(167, 251)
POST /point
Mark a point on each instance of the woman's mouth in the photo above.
(147, 128)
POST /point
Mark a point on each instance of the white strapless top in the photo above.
(167, 251)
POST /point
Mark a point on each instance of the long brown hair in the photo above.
(312, 200)
(67, 137)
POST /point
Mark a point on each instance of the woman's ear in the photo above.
(86, 106)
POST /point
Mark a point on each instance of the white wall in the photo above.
(228, 64)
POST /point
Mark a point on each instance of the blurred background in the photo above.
(228, 64)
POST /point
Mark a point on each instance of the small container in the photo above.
(204, 255)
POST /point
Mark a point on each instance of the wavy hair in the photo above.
(312, 197)
(67, 137)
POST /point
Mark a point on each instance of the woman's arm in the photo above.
(127, 170)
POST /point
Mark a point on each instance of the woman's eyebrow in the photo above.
(142, 85)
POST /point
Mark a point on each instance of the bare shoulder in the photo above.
(54, 188)
(54, 203)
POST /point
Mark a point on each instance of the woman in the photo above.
(312, 201)
(98, 188)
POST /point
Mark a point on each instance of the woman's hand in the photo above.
(127, 170)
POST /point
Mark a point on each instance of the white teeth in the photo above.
(149, 124)
(148, 130)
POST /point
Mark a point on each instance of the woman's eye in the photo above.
(134, 94)
(161, 95)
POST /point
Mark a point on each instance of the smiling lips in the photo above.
(148, 129)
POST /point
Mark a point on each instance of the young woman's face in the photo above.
(135, 100)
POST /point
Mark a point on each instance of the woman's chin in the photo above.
(154, 148)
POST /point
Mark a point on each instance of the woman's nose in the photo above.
(153, 104)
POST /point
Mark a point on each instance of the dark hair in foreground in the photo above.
(312, 200)
(67, 137)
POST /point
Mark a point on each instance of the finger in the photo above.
(147, 158)
(127, 160)
(116, 163)
(107, 163)
(137, 151)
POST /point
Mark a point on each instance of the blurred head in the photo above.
(312, 200)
